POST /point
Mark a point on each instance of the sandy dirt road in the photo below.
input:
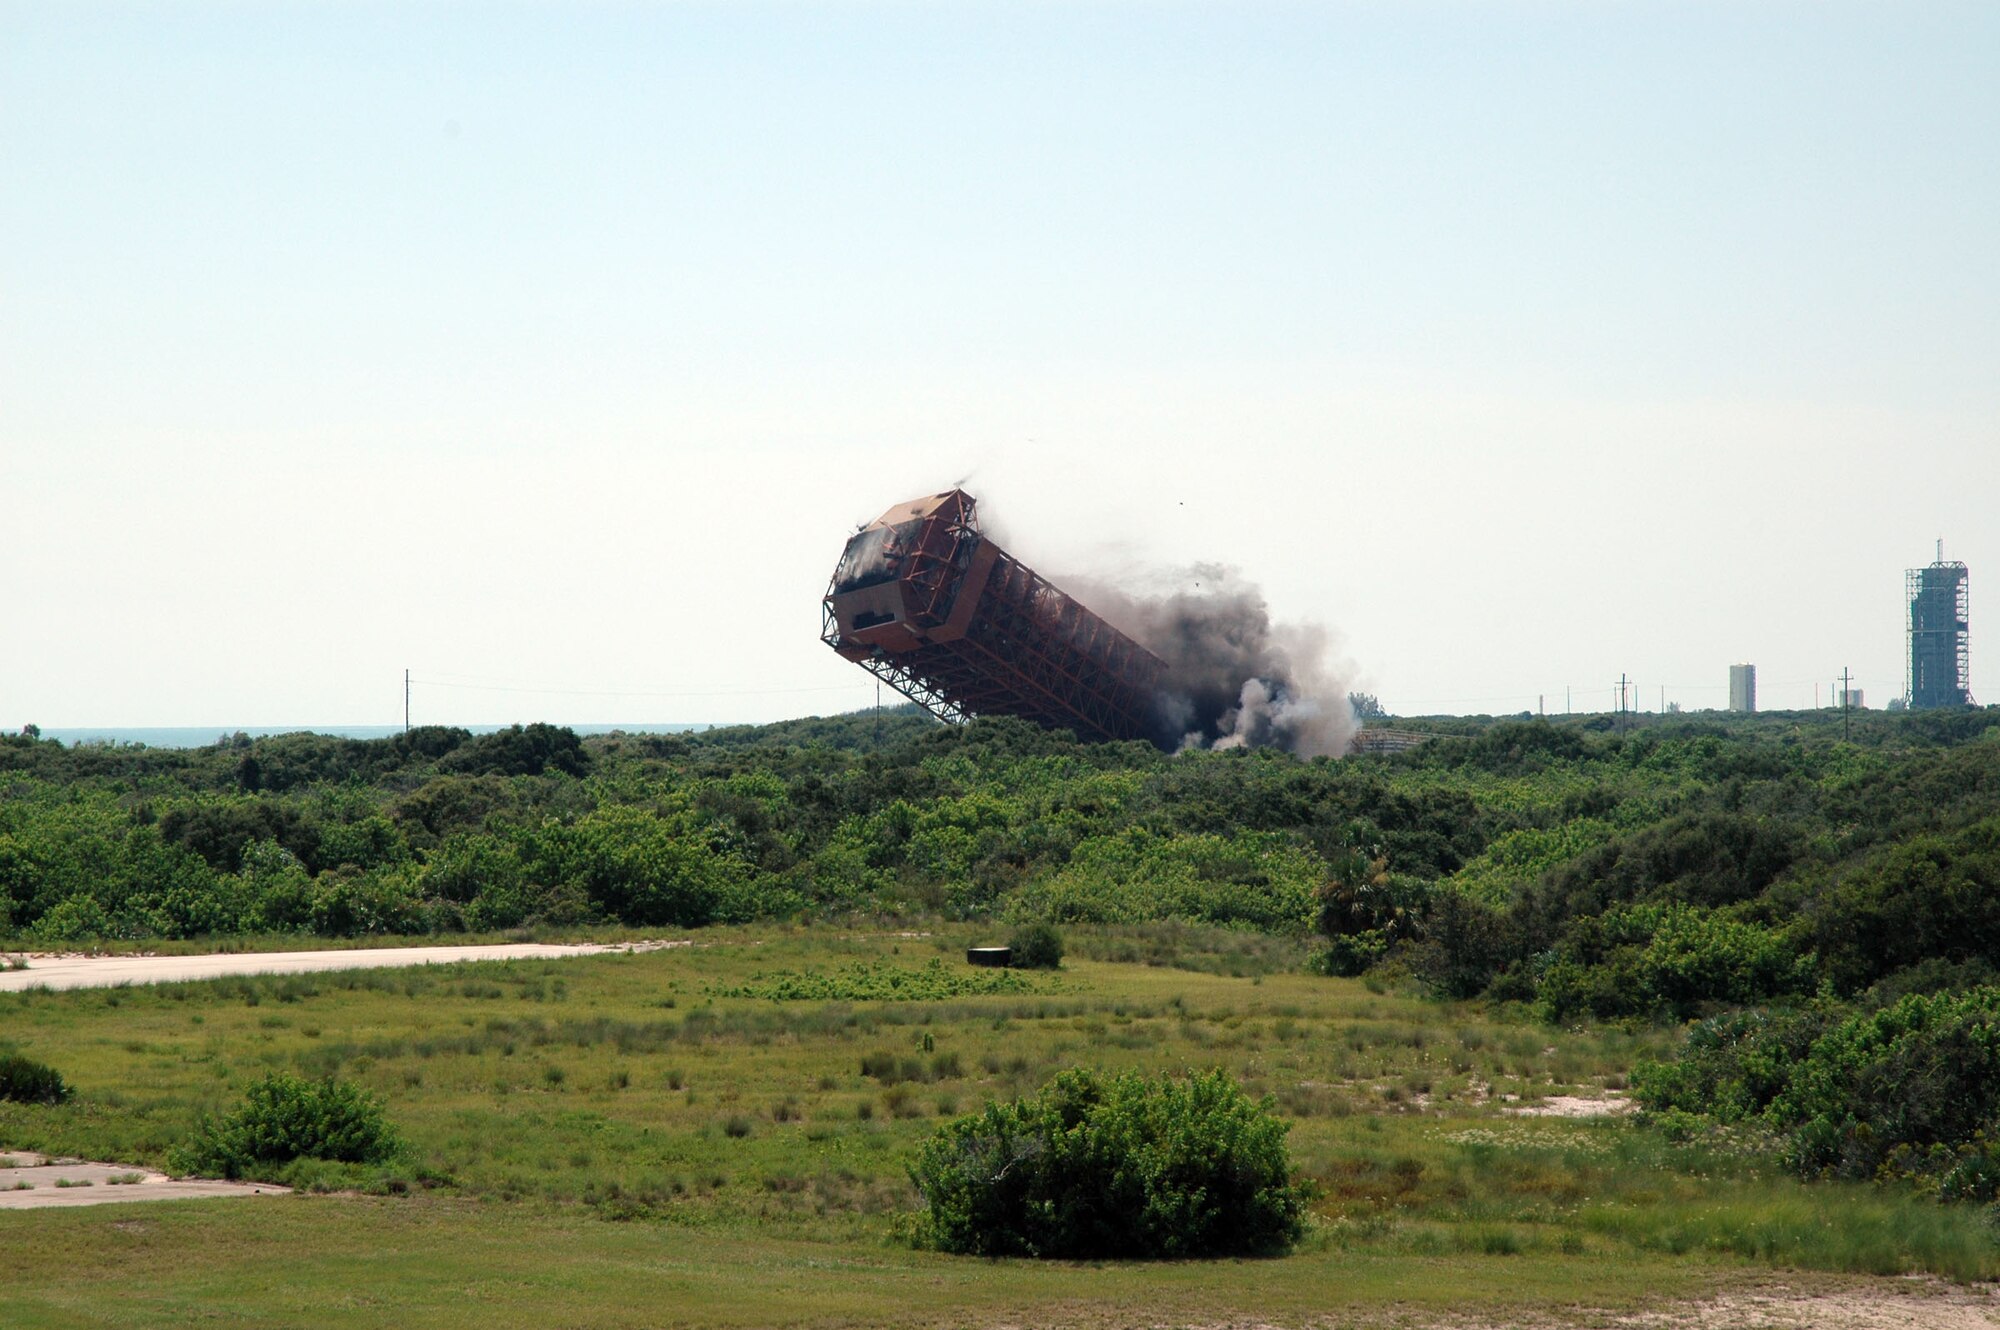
(1796, 1302)
(1906, 1303)
(31, 1182)
(57, 972)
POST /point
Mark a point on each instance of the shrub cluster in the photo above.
(1686, 868)
(1669, 872)
(1893, 1087)
(1910, 1090)
(285, 1117)
(441, 831)
(26, 1081)
(1120, 1167)
(1665, 959)
(1036, 946)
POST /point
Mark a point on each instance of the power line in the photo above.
(1523, 697)
(1847, 691)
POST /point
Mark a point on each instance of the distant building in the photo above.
(1847, 699)
(1742, 687)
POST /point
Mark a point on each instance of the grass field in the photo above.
(718, 1134)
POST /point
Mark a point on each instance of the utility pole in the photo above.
(406, 702)
(1623, 683)
(1846, 691)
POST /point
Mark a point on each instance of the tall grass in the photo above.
(1843, 1228)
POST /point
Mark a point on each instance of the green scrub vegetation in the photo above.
(1784, 944)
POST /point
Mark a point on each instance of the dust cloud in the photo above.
(1234, 678)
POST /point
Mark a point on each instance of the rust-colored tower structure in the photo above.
(925, 603)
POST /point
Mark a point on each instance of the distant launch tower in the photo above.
(1939, 673)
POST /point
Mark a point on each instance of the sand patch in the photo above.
(32, 1182)
(1922, 1304)
(65, 971)
(1574, 1106)
(1913, 1302)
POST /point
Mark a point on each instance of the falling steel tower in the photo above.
(1938, 667)
(925, 603)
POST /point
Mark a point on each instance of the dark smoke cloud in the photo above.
(1234, 678)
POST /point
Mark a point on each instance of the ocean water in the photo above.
(201, 736)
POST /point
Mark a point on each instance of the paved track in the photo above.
(110, 971)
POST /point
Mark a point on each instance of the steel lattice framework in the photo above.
(1939, 661)
(930, 606)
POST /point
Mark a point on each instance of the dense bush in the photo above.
(26, 1081)
(1036, 946)
(1466, 944)
(639, 867)
(1709, 858)
(481, 876)
(219, 831)
(519, 751)
(1511, 748)
(1930, 897)
(1364, 911)
(1641, 960)
(1889, 1087)
(1667, 871)
(1251, 879)
(285, 1117)
(1121, 1167)
(1913, 1088)
(1732, 1066)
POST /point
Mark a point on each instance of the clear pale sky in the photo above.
(559, 347)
